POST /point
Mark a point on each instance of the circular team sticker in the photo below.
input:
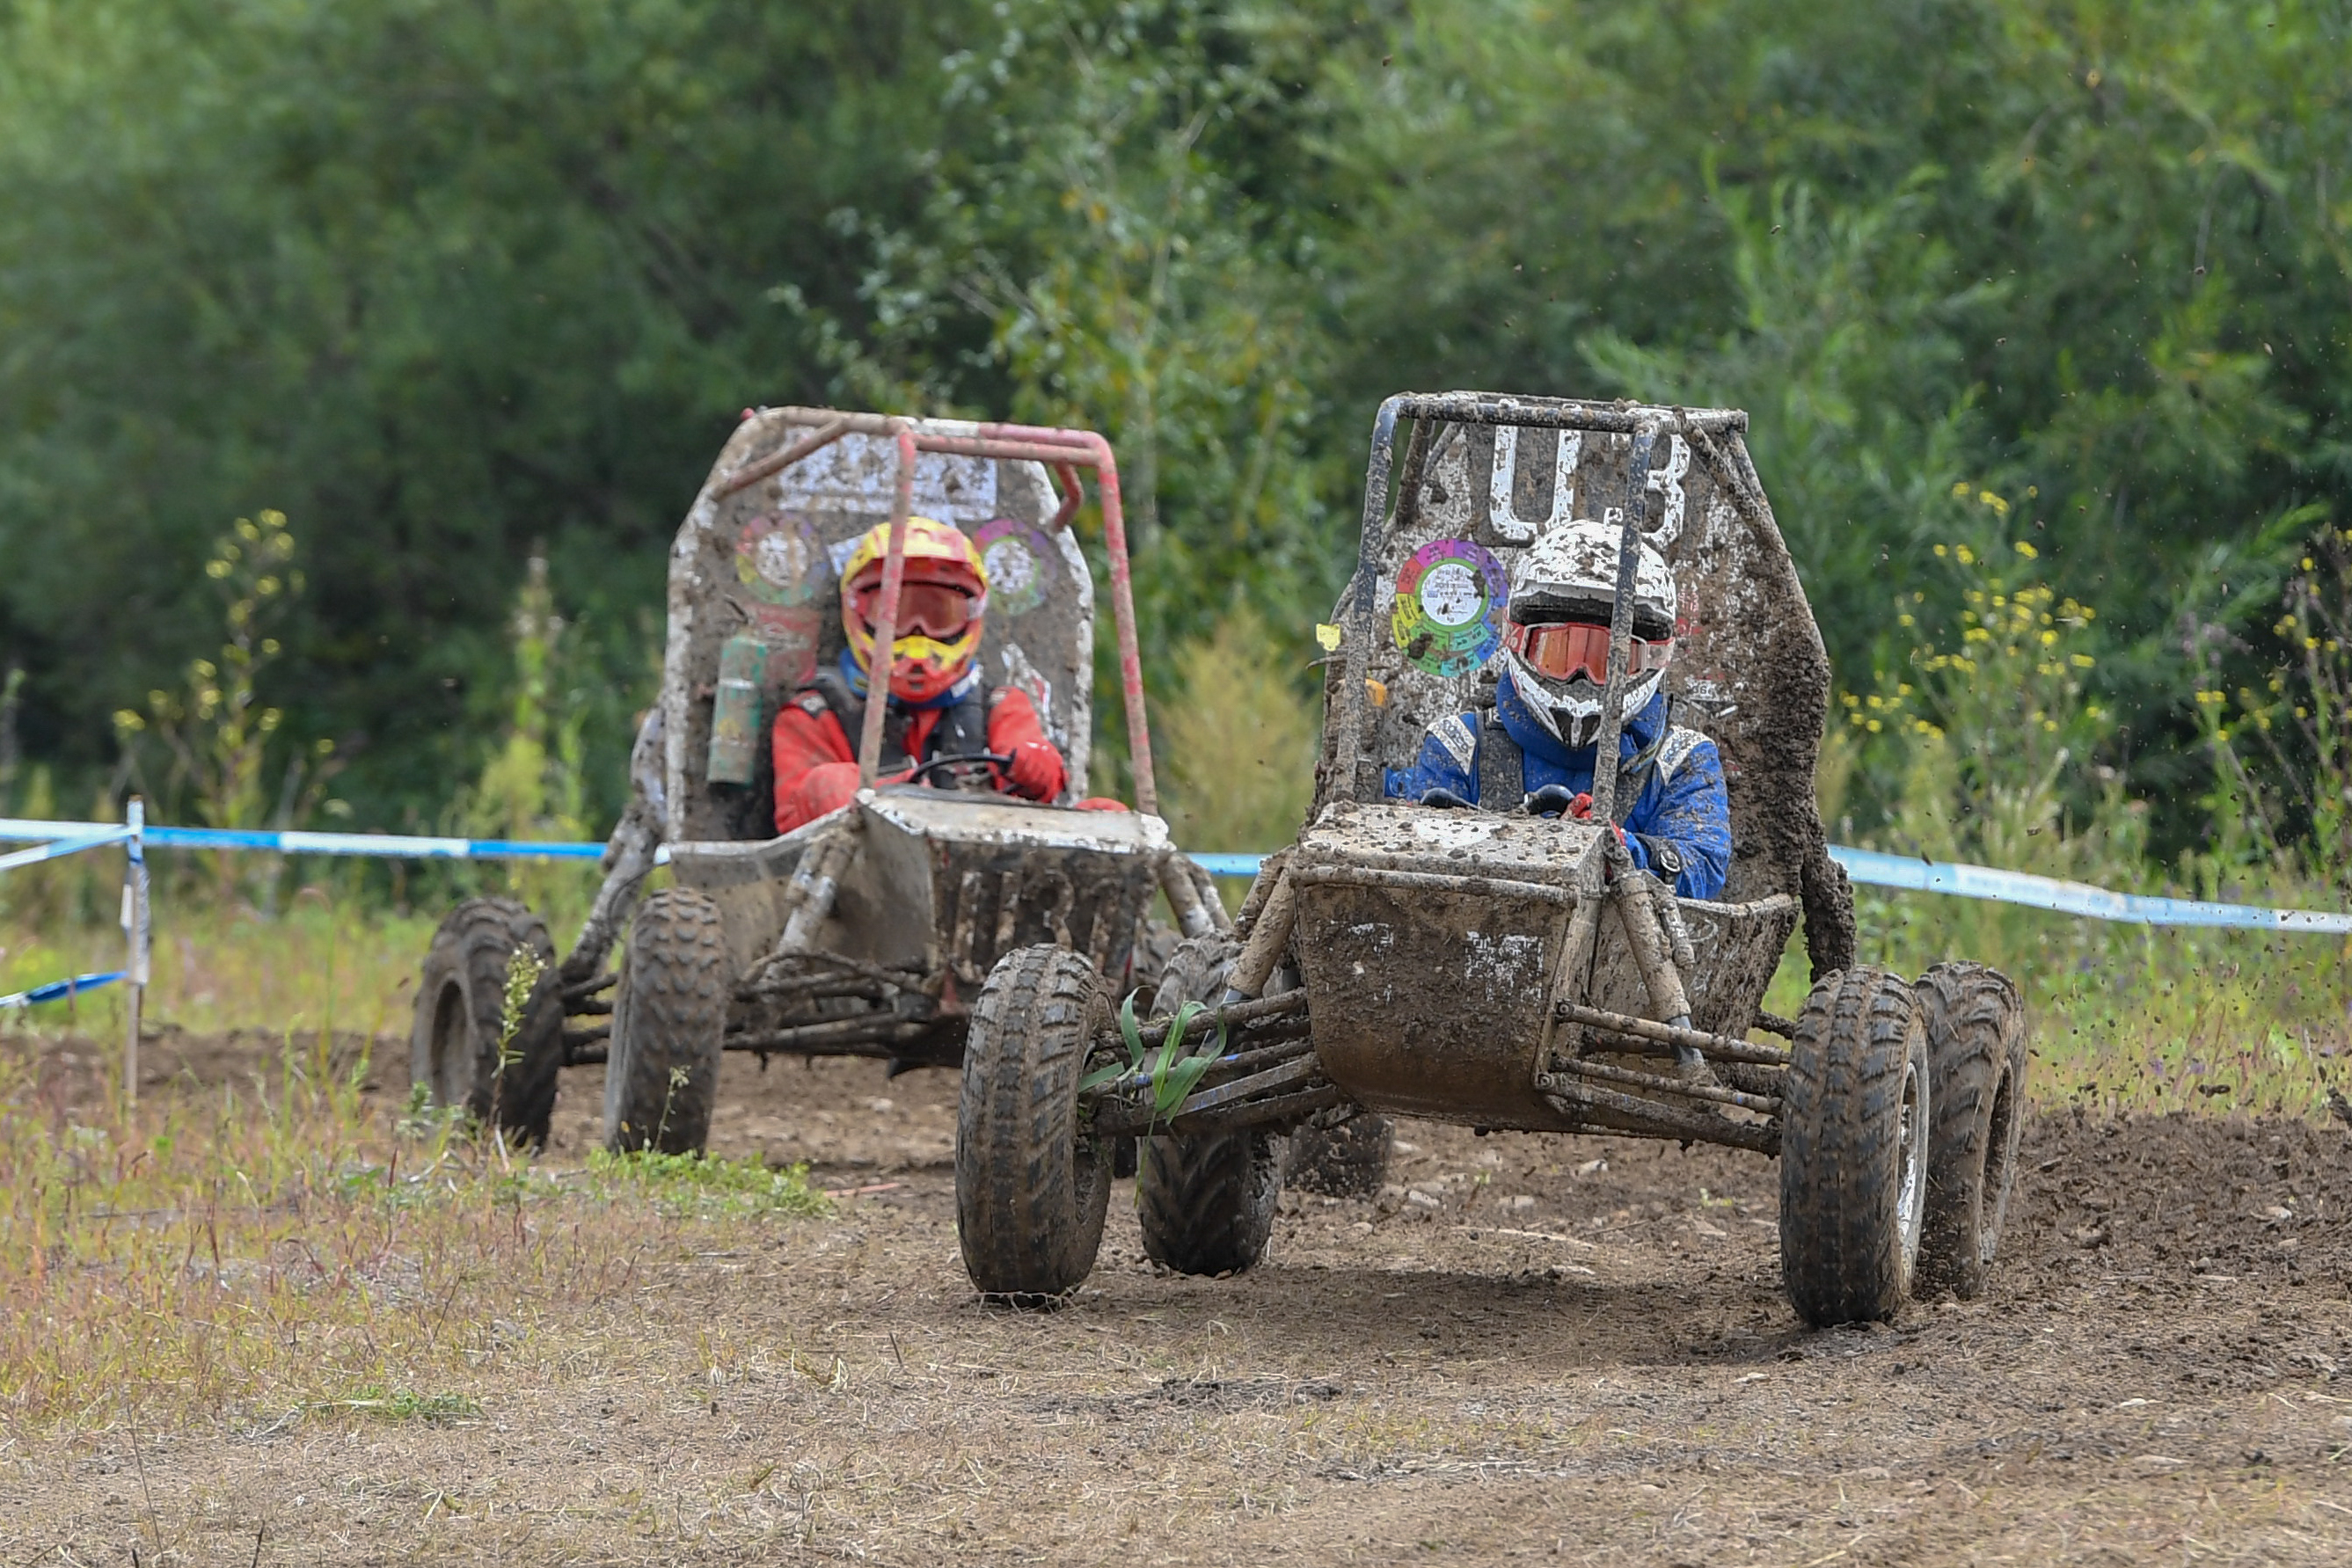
(1019, 562)
(779, 561)
(1449, 606)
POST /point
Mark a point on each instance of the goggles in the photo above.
(935, 609)
(1561, 649)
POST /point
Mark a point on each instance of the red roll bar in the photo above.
(1063, 452)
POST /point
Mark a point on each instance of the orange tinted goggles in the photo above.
(925, 608)
(1565, 648)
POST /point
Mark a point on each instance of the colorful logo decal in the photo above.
(779, 560)
(1449, 606)
(1020, 562)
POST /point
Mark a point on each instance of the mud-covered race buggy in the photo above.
(1506, 970)
(867, 931)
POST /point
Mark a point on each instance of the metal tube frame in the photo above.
(1469, 408)
(1064, 452)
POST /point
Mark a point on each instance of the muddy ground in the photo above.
(1569, 1348)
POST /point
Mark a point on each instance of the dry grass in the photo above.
(1394, 1384)
(241, 1254)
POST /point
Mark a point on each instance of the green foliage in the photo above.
(219, 735)
(1236, 751)
(447, 279)
(407, 1404)
(703, 1186)
(2002, 736)
(535, 786)
(2283, 746)
(1168, 1073)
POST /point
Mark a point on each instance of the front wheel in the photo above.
(1853, 1148)
(669, 1023)
(1033, 1182)
(1976, 1056)
(458, 1047)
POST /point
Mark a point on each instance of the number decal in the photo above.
(1504, 512)
(1669, 481)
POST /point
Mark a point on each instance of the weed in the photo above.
(1170, 1073)
(218, 733)
(708, 1187)
(534, 785)
(402, 1405)
(524, 968)
(2001, 736)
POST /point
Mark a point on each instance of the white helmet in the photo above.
(1562, 589)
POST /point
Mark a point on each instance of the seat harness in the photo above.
(962, 729)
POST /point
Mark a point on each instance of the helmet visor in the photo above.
(935, 609)
(1561, 649)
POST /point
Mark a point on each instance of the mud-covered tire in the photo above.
(1976, 1064)
(669, 1022)
(452, 1041)
(1206, 1204)
(1350, 1160)
(1156, 942)
(1032, 1182)
(1855, 1127)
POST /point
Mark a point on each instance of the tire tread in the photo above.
(1841, 1245)
(1977, 1057)
(471, 949)
(1031, 1190)
(670, 1013)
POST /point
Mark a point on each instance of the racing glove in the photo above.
(1554, 800)
(1035, 771)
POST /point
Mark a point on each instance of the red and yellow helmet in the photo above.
(941, 603)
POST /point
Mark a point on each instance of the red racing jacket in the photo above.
(816, 759)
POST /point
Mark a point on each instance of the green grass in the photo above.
(404, 1405)
(704, 1187)
(296, 1243)
(2135, 1018)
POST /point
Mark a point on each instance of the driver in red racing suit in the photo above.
(938, 706)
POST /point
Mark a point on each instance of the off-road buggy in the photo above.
(867, 931)
(1507, 970)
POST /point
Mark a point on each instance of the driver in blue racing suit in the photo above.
(1535, 751)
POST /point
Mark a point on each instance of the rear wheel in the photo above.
(1206, 1204)
(669, 1021)
(1853, 1148)
(455, 1048)
(1976, 1059)
(1032, 1182)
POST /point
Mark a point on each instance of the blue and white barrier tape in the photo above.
(2018, 887)
(389, 846)
(86, 836)
(1869, 867)
(58, 990)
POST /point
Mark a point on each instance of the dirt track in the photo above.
(1579, 1351)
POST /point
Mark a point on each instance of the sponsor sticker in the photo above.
(1448, 615)
(1019, 563)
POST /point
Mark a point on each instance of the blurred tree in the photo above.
(441, 278)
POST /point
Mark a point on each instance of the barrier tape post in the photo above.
(135, 936)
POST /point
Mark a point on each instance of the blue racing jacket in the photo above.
(1681, 819)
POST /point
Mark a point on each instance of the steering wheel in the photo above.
(970, 759)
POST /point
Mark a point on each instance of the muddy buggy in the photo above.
(1504, 970)
(870, 930)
